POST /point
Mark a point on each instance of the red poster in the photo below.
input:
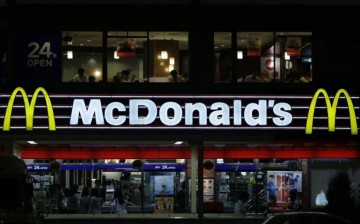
(254, 47)
(293, 46)
(279, 185)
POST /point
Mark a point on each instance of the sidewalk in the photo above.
(170, 218)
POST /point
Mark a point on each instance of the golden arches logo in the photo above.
(29, 109)
(331, 111)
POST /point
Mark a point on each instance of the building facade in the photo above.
(256, 96)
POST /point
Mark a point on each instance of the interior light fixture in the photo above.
(97, 73)
(240, 55)
(286, 56)
(116, 55)
(164, 55)
(178, 143)
(171, 67)
(172, 61)
(32, 142)
(70, 55)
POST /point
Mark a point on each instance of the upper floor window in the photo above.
(262, 57)
(82, 51)
(131, 56)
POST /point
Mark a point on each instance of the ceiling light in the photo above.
(116, 56)
(178, 143)
(164, 55)
(70, 55)
(219, 161)
(239, 55)
(286, 56)
(32, 142)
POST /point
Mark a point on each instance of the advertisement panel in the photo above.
(40, 57)
(164, 185)
(280, 186)
(164, 204)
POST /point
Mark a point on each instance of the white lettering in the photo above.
(285, 118)
(164, 115)
(237, 112)
(145, 112)
(221, 116)
(249, 113)
(86, 115)
(190, 108)
(134, 112)
(109, 113)
(40, 62)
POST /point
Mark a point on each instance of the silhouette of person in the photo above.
(81, 76)
(174, 77)
(92, 79)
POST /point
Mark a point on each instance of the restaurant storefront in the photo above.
(154, 142)
(254, 102)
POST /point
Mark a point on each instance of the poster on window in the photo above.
(164, 185)
(254, 47)
(293, 46)
(281, 186)
(269, 68)
(164, 204)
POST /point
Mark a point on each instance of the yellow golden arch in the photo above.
(29, 109)
(331, 111)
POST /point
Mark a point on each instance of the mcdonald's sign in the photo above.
(180, 112)
(331, 111)
(29, 109)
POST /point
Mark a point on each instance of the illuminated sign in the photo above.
(29, 109)
(172, 114)
(331, 111)
(115, 166)
(180, 112)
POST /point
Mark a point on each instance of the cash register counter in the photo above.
(154, 218)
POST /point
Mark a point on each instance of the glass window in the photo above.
(168, 51)
(147, 56)
(295, 50)
(82, 50)
(262, 57)
(126, 56)
(222, 54)
(255, 57)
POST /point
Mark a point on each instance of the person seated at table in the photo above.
(81, 76)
